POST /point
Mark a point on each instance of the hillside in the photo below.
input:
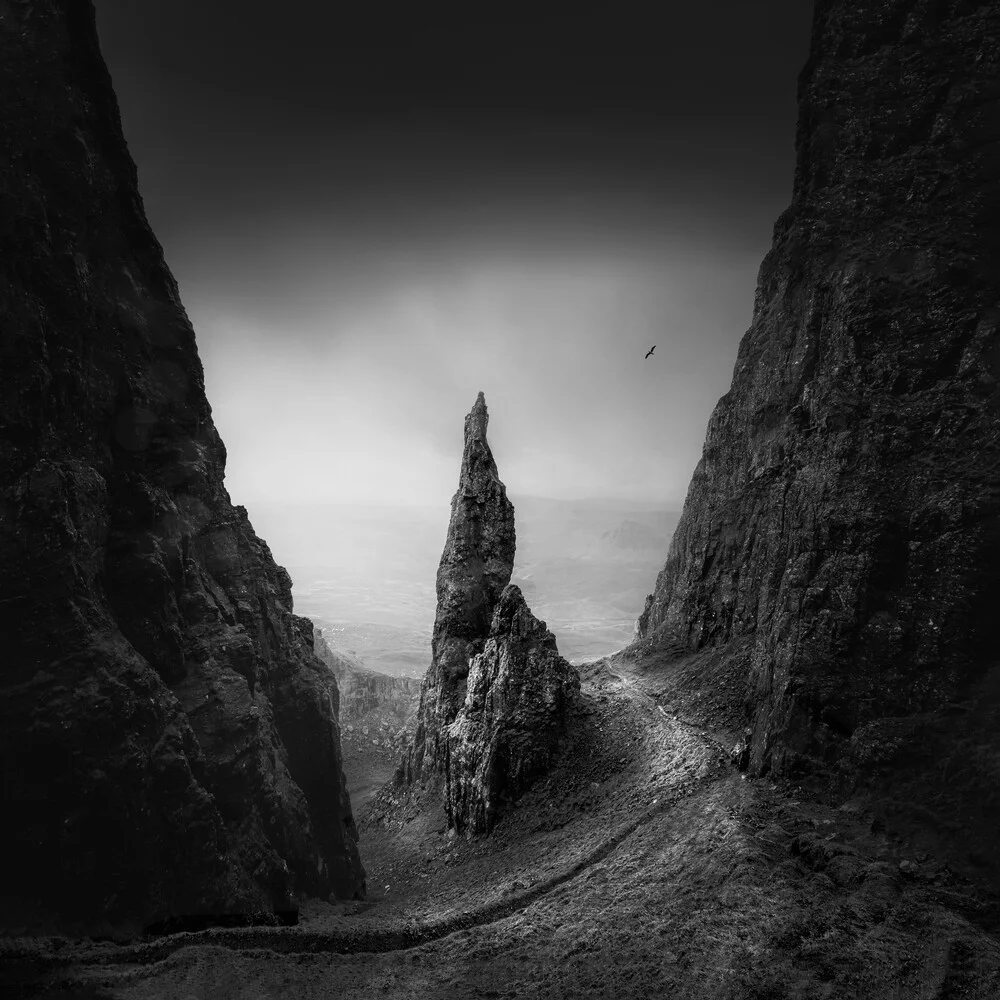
(646, 865)
(375, 712)
(786, 787)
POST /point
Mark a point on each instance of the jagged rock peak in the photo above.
(475, 566)
(478, 465)
(482, 731)
(477, 560)
(476, 422)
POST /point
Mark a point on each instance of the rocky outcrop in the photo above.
(170, 741)
(519, 691)
(475, 567)
(490, 657)
(841, 534)
(373, 705)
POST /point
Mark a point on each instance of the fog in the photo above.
(366, 404)
(372, 219)
(366, 574)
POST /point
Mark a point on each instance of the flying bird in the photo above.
(650, 351)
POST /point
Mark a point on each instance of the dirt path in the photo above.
(373, 927)
(634, 690)
(643, 865)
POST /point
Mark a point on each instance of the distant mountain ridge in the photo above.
(630, 538)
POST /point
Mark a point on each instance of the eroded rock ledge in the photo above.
(170, 742)
(493, 703)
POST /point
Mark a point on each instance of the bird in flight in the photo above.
(650, 351)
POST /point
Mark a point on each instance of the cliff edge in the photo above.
(170, 741)
(841, 534)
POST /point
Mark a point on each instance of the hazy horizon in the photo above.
(366, 574)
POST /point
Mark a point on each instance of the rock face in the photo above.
(170, 741)
(369, 699)
(518, 695)
(842, 531)
(475, 567)
(490, 656)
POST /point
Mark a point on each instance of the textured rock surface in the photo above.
(371, 701)
(491, 658)
(506, 734)
(475, 567)
(843, 525)
(169, 739)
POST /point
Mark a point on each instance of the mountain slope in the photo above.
(170, 741)
(841, 534)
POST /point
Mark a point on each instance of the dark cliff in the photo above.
(841, 535)
(170, 740)
(495, 698)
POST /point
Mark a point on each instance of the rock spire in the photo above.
(479, 725)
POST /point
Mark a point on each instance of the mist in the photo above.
(372, 222)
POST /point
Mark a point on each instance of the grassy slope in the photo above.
(367, 768)
(645, 865)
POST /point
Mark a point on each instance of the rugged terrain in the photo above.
(841, 534)
(376, 711)
(644, 864)
(494, 700)
(787, 787)
(170, 741)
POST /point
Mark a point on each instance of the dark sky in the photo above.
(374, 215)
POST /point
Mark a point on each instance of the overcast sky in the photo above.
(370, 222)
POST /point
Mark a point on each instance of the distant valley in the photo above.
(586, 566)
(366, 575)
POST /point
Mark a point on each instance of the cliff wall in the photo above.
(170, 741)
(370, 700)
(841, 534)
